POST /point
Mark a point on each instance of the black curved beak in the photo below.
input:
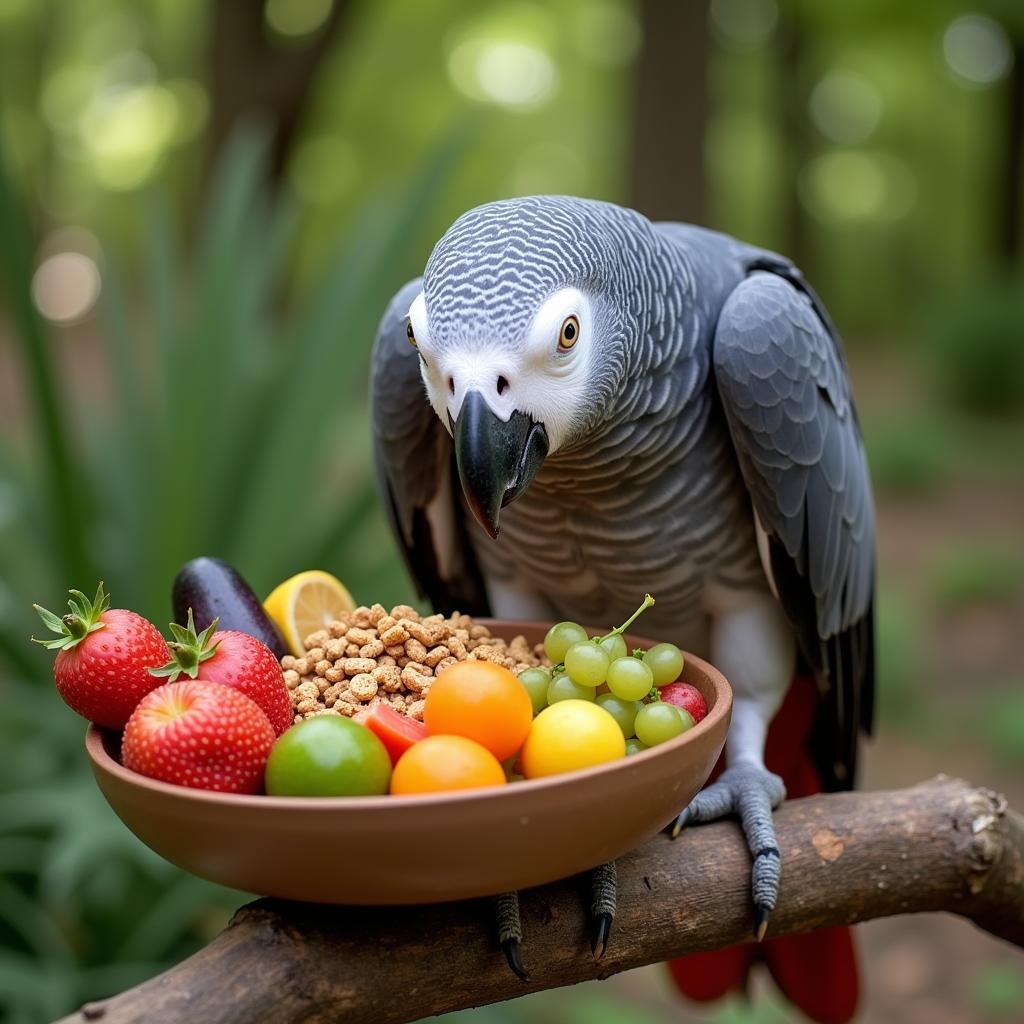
(496, 459)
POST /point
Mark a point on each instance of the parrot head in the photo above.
(520, 328)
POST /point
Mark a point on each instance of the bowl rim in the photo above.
(95, 745)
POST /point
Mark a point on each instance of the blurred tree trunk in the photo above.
(670, 111)
(1013, 180)
(796, 145)
(254, 75)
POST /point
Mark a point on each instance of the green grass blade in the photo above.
(66, 488)
(326, 364)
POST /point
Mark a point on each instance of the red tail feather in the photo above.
(817, 972)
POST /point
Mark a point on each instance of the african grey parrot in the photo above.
(575, 405)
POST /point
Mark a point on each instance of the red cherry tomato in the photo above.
(397, 732)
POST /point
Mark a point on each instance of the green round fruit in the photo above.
(560, 637)
(614, 646)
(687, 718)
(658, 722)
(630, 679)
(634, 746)
(536, 681)
(587, 663)
(563, 688)
(665, 662)
(328, 756)
(623, 711)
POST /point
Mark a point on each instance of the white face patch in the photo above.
(540, 379)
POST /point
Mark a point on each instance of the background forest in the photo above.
(204, 208)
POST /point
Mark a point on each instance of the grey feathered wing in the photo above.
(413, 460)
(783, 384)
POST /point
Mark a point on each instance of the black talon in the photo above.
(761, 915)
(680, 823)
(604, 887)
(600, 928)
(510, 947)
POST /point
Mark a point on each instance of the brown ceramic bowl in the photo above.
(422, 849)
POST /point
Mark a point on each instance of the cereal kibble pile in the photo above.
(370, 656)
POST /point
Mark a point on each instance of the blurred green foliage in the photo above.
(1000, 720)
(976, 351)
(215, 400)
(190, 449)
(978, 574)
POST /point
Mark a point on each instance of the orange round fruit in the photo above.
(439, 764)
(483, 702)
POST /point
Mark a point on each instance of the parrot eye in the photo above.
(569, 334)
(409, 333)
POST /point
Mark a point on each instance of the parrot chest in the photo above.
(587, 541)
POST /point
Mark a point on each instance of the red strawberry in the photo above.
(687, 697)
(235, 659)
(102, 670)
(200, 734)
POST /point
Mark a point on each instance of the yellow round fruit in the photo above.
(305, 603)
(569, 735)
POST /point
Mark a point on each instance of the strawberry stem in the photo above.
(188, 649)
(83, 619)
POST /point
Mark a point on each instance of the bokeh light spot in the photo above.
(125, 131)
(845, 107)
(65, 286)
(853, 185)
(296, 18)
(744, 24)
(503, 71)
(977, 50)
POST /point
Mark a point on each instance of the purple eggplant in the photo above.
(215, 590)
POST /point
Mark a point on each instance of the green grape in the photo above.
(623, 711)
(563, 688)
(629, 679)
(587, 663)
(536, 681)
(615, 646)
(688, 722)
(560, 637)
(665, 662)
(634, 746)
(658, 722)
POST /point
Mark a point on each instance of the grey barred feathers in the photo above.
(704, 403)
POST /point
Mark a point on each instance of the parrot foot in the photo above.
(603, 901)
(510, 931)
(750, 792)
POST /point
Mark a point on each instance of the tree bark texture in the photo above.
(847, 857)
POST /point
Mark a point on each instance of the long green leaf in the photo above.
(326, 363)
(66, 487)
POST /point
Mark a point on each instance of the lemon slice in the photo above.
(305, 603)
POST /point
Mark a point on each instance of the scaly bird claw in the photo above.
(604, 896)
(510, 931)
(679, 824)
(510, 947)
(751, 793)
(600, 928)
(761, 915)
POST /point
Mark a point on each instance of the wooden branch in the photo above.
(941, 845)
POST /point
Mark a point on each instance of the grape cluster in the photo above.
(629, 683)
